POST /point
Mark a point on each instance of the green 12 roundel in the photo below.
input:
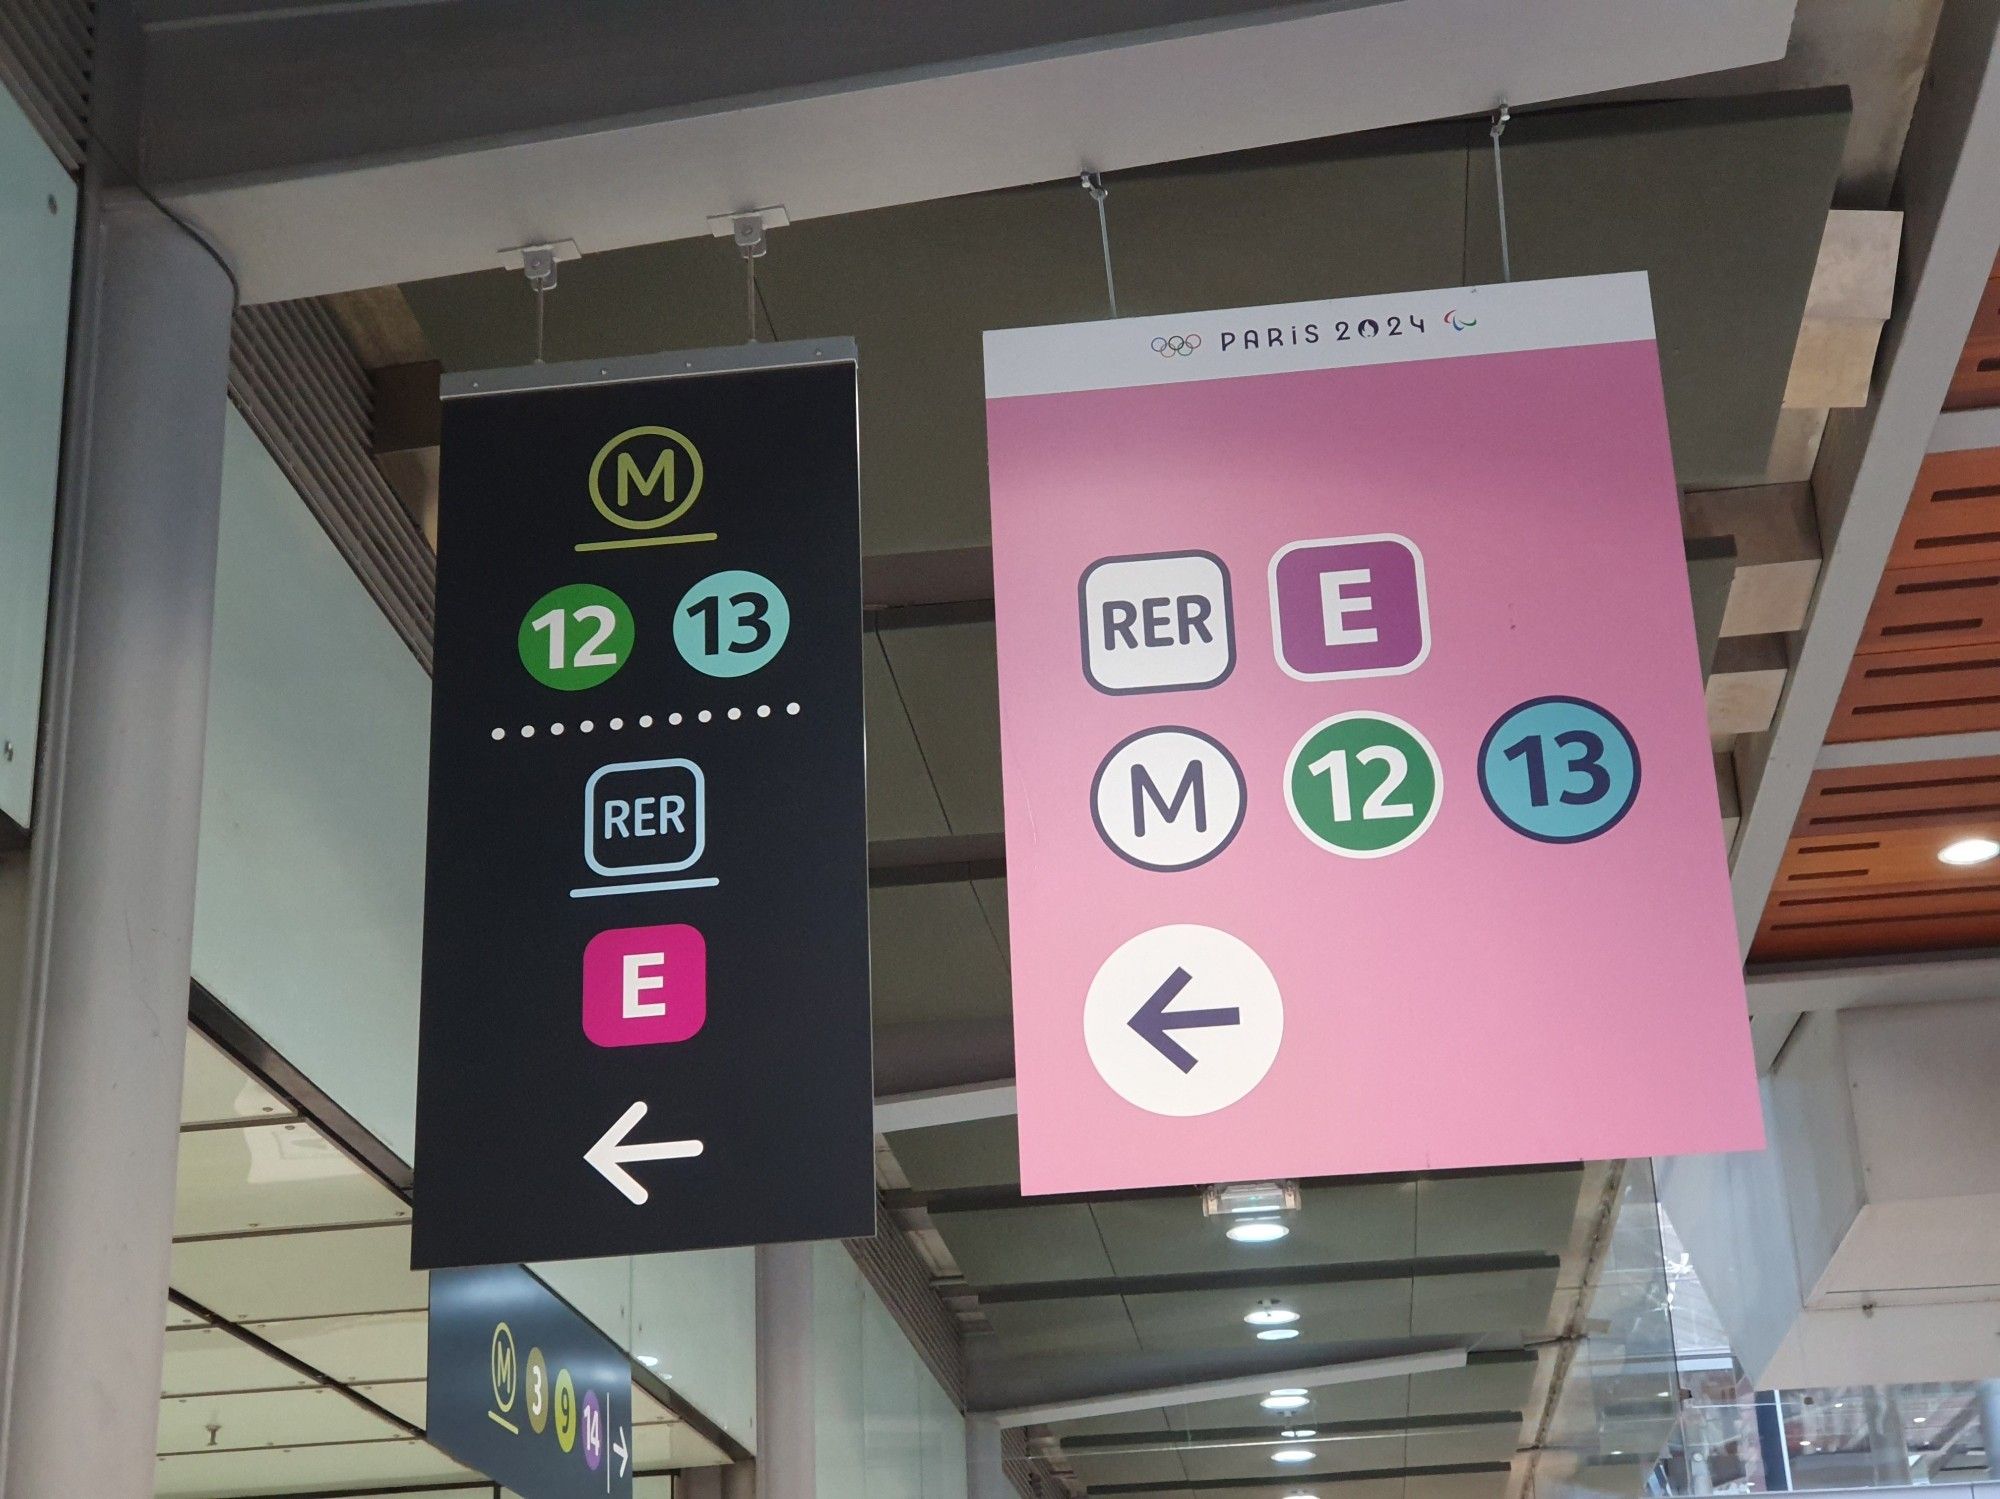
(731, 623)
(575, 637)
(1362, 785)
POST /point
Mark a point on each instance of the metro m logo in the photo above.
(1167, 830)
(654, 475)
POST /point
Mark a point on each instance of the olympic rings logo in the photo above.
(1182, 344)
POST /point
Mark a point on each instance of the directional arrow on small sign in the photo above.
(611, 1154)
(1155, 1023)
(618, 1446)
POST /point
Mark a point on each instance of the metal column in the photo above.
(985, 1478)
(787, 1413)
(1989, 1425)
(94, 953)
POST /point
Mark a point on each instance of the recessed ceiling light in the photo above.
(1271, 1316)
(1919, 1420)
(1285, 1400)
(1617, 1451)
(649, 1361)
(1964, 851)
(1295, 1432)
(1257, 1231)
(1277, 1334)
(1292, 1455)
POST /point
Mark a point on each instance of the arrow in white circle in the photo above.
(610, 1155)
(618, 1446)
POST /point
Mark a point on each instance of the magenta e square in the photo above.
(645, 985)
(1349, 607)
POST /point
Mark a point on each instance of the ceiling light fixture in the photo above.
(1965, 851)
(1277, 1334)
(1257, 1231)
(1919, 1420)
(1295, 1432)
(1286, 1400)
(648, 1360)
(1292, 1455)
(1270, 1314)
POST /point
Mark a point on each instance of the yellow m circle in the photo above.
(677, 491)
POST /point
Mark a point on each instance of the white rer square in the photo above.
(1156, 623)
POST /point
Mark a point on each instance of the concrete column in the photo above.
(787, 1414)
(94, 954)
(984, 1477)
(1989, 1425)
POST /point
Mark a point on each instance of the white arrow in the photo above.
(618, 1446)
(610, 1155)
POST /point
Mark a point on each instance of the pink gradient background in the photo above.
(1477, 998)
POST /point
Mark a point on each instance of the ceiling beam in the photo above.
(1267, 1277)
(986, 1199)
(929, 1107)
(1265, 1436)
(1950, 186)
(1289, 1482)
(1792, 989)
(1118, 1402)
(1922, 749)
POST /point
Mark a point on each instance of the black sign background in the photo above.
(777, 1083)
(482, 1418)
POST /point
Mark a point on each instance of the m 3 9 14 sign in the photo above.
(645, 994)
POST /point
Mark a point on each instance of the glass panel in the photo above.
(37, 235)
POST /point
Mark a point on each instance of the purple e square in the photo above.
(1350, 608)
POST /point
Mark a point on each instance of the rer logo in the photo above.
(643, 818)
(1352, 606)
(645, 479)
(1156, 623)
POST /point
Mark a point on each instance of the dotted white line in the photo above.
(645, 721)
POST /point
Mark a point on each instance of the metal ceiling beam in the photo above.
(987, 1199)
(1923, 749)
(1268, 1436)
(1289, 1482)
(1115, 1401)
(942, 860)
(1267, 1277)
(1950, 191)
(1791, 989)
(930, 1107)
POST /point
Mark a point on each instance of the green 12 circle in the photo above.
(731, 623)
(575, 637)
(1363, 785)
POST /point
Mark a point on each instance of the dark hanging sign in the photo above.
(525, 1390)
(645, 990)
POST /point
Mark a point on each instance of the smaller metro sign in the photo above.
(1356, 758)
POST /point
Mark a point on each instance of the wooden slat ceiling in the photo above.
(1861, 873)
(1929, 658)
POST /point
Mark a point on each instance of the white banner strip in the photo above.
(1393, 329)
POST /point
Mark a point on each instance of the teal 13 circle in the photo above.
(1559, 769)
(731, 623)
